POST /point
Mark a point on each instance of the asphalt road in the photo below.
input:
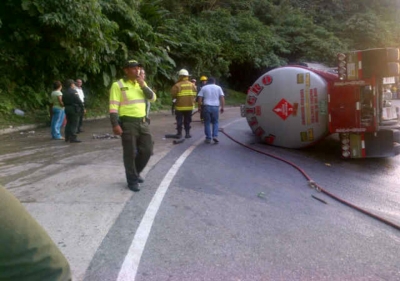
(207, 211)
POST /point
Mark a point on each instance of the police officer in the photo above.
(73, 109)
(128, 118)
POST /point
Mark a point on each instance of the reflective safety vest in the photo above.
(127, 99)
(185, 96)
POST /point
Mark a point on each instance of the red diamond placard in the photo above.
(283, 109)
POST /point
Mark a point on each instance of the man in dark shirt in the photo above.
(73, 109)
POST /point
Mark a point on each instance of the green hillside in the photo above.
(233, 40)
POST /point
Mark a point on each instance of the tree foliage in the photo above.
(233, 40)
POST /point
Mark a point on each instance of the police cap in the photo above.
(132, 63)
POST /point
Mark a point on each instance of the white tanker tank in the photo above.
(288, 106)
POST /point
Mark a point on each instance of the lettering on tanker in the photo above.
(338, 84)
(348, 130)
(303, 112)
(310, 134)
(254, 110)
(259, 132)
(307, 136)
(257, 88)
(267, 80)
(308, 79)
(323, 108)
(307, 99)
(258, 110)
(314, 105)
(295, 108)
(312, 115)
(250, 110)
(300, 78)
(251, 100)
(269, 139)
(253, 121)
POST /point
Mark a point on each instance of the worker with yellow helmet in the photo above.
(203, 81)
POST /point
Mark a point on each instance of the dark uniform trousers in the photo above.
(72, 122)
(183, 117)
(80, 121)
(137, 145)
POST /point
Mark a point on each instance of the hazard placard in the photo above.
(283, 109)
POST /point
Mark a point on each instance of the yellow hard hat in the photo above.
(203, 78)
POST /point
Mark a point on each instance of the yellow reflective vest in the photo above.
(128, 99)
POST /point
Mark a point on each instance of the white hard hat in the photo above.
(183, 72)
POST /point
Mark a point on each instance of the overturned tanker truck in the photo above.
(297, 106)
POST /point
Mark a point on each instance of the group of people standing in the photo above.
(67, 105)
(128, 108)
(27, 252)
(210, 99)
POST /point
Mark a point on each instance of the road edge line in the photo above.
(132, 259)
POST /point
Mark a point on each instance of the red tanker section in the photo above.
(296, 106)
(288, 106)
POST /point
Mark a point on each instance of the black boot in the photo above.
(73, 139)
(179, 134)
(188, 136)
(134, 187)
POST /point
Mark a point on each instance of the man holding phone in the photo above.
(128, 119)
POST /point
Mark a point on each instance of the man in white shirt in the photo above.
(212, 98)
(78, 84)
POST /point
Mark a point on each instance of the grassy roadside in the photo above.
(42, 116)
(233, 98)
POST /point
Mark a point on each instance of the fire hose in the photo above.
(313, 184)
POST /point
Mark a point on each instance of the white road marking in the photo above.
(131, 263)
(230, 123)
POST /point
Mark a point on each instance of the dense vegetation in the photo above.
(233, 40)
